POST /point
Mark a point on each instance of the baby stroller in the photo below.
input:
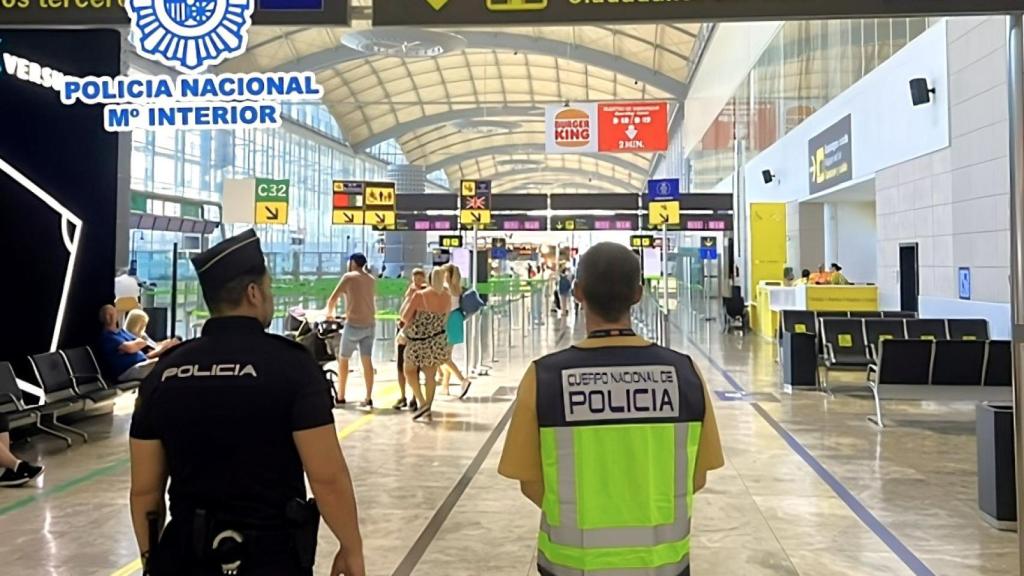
(319, 337)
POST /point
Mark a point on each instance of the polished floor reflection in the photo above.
(810, 487)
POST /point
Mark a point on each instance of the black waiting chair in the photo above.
(958, 363)
(998, 364)
(844, 342)
(12, 402)
(86, 374)
(844, 346)
(735, 310)
(59, 395)
(833, 314)
(900, 362)
(899, 314)
(878, 329)
(961, 329)
(927, 329)
(865, 314)
(799, 322)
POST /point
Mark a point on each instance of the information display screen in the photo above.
(426, 223)
(608, 12)
(707, 222)
(602, 223)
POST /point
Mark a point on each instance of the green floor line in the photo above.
(65, 486)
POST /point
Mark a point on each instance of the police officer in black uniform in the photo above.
(233, 419)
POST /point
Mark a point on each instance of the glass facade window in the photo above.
(805, 66)
(193, 165)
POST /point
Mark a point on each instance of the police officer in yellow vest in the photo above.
(612, 437)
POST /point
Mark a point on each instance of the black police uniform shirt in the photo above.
(225, 407)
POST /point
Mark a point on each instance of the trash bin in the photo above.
(799, 359)
(997, 488)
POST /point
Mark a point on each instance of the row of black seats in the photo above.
(855, 343)
(943, 363)
(807, 321)
(66, 382)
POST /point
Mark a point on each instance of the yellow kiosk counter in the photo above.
(772, 299)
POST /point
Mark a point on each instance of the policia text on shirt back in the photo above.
(225, 407)
(611, 438)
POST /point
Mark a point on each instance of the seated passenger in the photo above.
(126, 356)
(13, 472)
(788, 279)
(837, 278)
(821, 276)
(136, 324)
(805, 278)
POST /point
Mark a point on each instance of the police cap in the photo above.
(234, 257)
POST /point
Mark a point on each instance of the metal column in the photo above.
(174, 297)
(663, 317)
(1015, 49)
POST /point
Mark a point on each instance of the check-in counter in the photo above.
(765, 317)
(837, 298)
(772, 299)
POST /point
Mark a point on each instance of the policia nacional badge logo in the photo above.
(190, 35)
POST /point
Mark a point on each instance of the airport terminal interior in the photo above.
(825, 199)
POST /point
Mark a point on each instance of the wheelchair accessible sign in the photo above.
(964, 282)
(190, 37)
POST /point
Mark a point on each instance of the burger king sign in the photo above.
(572, 129)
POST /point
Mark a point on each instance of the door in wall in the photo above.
(908, 278)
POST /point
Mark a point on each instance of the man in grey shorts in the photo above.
(359, 288)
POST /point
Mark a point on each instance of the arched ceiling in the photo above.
(480, 102)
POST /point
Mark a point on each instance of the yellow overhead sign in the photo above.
(380, 219)
(641, 241)
(428, 13)
(663, 213)
(475, 217)
(347, 217)
(271, 212)
(451, 241)
(379, 195)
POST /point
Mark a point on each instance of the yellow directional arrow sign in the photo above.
(347, 217)
(475, 217)
(663, 213)
(380, 219)
(271, 212)
(437, 4)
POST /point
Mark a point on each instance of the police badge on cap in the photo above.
(234, 257)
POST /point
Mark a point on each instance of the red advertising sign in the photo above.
(632, 127)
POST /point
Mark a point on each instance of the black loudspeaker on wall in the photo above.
(920, 93)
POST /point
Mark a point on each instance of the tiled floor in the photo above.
(767, 512)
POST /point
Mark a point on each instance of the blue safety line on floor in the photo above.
(856, 506)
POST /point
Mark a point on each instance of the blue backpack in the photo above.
(470, 303)
(564, 285)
